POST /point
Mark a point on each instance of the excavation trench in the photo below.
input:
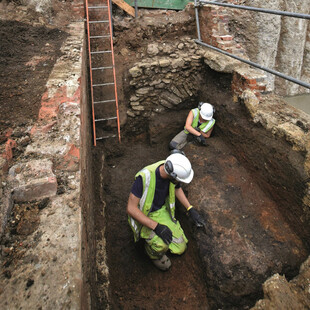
(251, 232)
(249, 184)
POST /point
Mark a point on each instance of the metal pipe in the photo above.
(111, 20)
(284, 76)
(250, 8)
(197, 21)
(136, 8)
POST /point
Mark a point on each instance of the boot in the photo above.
(163, 263)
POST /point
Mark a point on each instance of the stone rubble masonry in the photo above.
(169, 80)
(52, 155)
(169, 76)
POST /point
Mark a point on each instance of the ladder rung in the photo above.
(98, 7)
(100, 52)
(98, 37)
(102, 68)
(106, 137)
(105, 119)
(98, 21)
(104, 101)
(104, 84)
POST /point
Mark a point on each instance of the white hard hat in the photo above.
(179, 167)
(206, 111)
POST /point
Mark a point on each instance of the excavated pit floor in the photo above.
(136, 284)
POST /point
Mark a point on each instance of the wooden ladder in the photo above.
(105, 112)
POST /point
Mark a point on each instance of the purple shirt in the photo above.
(161, 190)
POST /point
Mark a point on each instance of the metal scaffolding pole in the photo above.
(242, 7)
(284, 76)
(250, 8)
(197, 20)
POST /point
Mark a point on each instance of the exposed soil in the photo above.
(24, 220)
(235, 207)
(27, 55)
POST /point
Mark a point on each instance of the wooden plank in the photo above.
(125, 6)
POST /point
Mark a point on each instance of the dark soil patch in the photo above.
(27, 57)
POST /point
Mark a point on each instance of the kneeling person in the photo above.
(151, 207)
(198, 127)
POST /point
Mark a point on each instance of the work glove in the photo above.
(201, 139)
(196, 217)
(164, 233)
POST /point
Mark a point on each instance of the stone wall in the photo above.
(172, 77)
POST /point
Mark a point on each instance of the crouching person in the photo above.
(151, 207)
(198, 127)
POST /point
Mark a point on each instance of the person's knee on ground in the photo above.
(179, 141)
(178, 246)
(173, 145)
(155, 248)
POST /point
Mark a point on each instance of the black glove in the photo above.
(196, 217)
(164, 233)
(197, 128)
(201, 139)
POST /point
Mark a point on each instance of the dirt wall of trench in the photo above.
(265, 152)
(87, 192)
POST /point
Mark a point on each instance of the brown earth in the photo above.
(28, 54)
